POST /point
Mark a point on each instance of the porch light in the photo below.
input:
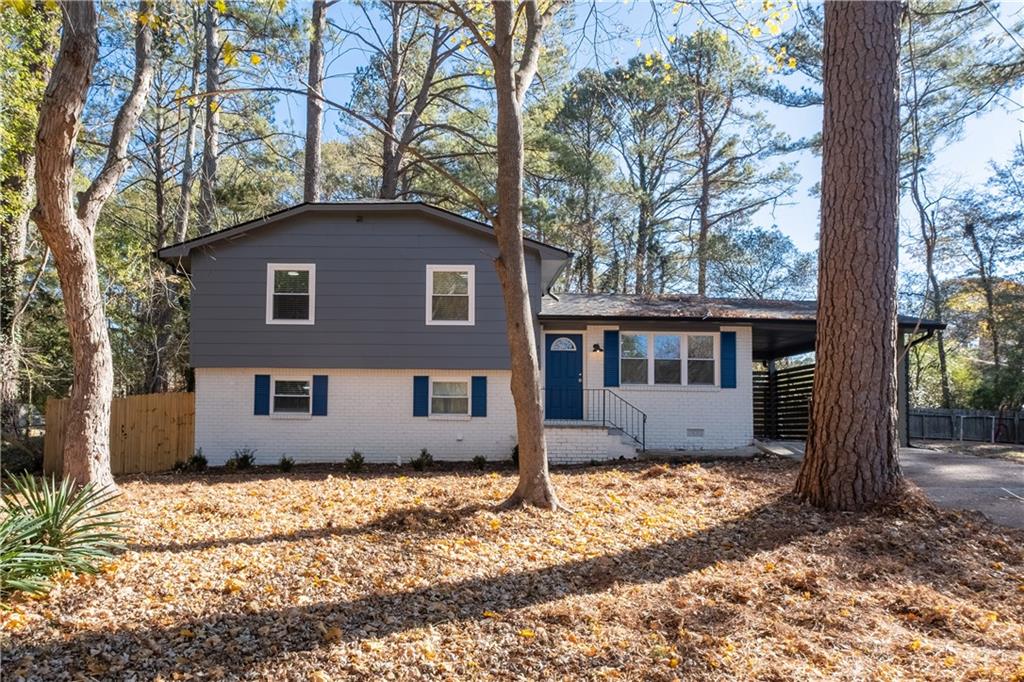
(597, 348)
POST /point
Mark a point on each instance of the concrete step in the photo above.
(748, 452)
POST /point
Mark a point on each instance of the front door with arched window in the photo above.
(563, 376)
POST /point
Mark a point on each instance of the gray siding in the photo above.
(370, 296)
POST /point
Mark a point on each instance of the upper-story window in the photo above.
(451, 294)
(291, 293)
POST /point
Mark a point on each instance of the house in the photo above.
(379, 326)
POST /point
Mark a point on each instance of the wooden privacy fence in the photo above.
(147, 432)
(782, 402)
(972, 425)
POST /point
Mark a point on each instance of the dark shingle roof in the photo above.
(686, 307)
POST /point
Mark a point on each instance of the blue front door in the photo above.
(563, 376)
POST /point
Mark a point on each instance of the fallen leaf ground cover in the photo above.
(660, 572)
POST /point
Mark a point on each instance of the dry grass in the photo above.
(688, 572)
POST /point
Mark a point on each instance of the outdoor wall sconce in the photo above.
(597, 348)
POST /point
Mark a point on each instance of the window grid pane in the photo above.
(291, 281)
(449, 308)
(700, 372)
(451, 283)
(291, 306)
(666, 347)
(701, 348)
(634, 345)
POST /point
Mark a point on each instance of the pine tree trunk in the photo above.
(314, 105)
(534, 486)
(852, 445)
(69, 229)
(211, 126)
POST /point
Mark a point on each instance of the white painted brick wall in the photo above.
(726, 415)
(579, 445)
(371, 411)
(367, 410)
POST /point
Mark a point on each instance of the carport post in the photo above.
(993, 428)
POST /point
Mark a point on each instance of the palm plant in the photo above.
(71, 523)
(24, 564)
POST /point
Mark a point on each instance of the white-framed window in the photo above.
(291, 395)
(657, 359)
(449, 397)
(700, 359)
(451, 294)
(291, 293)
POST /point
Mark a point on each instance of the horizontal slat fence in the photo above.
(970, 425)
(147, 432)
(782, 402)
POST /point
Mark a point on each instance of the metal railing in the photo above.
(597, 406)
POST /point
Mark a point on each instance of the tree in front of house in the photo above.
(851, 460)
(68, 222)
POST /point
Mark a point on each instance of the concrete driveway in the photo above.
(995, 487)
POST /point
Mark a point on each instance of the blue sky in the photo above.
(966, 161)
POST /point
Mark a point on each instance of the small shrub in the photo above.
(355, 461)
(424, 461)
(195, 463)
(24, 564)
(480, 461)
(48, 527)
(244, 458)
(515, 456)
(286, 463)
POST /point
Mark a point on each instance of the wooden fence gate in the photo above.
(147, 432)
(782, 402)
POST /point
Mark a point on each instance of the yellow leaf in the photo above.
(915, 645)
(495, 524)
(255, 59)
(769, 567)
(186, 633)
(949, 661)
(220, 6)
(527, 633)
(673, 662)
(491, 614)
(792, 62)
(233, 585)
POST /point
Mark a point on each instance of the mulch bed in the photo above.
(689, 572)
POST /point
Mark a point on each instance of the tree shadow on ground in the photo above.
(425, 520)
(765, 528)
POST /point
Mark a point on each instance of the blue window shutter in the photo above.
(479, 397)
(611, 358)
(420, 396)
(319, 395)
(261, 395)
(728, 359)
